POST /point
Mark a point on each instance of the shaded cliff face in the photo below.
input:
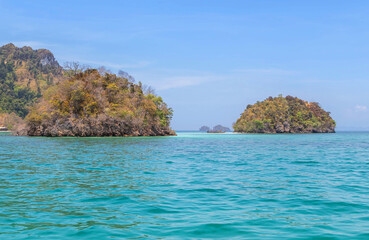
(285, 115)
(91, 104)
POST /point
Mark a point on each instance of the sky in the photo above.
(210, 59)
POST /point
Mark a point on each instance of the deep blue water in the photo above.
(195, 185)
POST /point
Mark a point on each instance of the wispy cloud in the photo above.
(361, 108)
(268, 71)
(178, 78)
(181, 81)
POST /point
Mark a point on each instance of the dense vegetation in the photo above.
(98, 104)
(285, 115)
(13, 98)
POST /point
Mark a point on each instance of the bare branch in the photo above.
(125, 75)
(73, 68)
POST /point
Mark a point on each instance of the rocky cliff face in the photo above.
(100, 126)
(285, 115)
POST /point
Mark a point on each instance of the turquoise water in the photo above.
(312, 186)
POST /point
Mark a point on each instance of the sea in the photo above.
(191, 186)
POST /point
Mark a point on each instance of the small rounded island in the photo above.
(285, 115)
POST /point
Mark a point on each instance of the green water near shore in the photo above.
(194, 185)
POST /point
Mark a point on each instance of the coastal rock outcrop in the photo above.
(285, 115)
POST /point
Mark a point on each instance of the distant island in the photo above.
(216, 129)
(204, 129)
(285, 115)
(38, 97)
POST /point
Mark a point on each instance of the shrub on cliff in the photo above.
(98, 104)
(285, 115)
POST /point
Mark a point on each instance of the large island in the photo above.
(38, 97)
(285, 115)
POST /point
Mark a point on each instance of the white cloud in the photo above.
(361, 108)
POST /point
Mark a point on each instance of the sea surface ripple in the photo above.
(192, 186)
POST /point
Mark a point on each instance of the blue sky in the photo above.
(209, 59)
